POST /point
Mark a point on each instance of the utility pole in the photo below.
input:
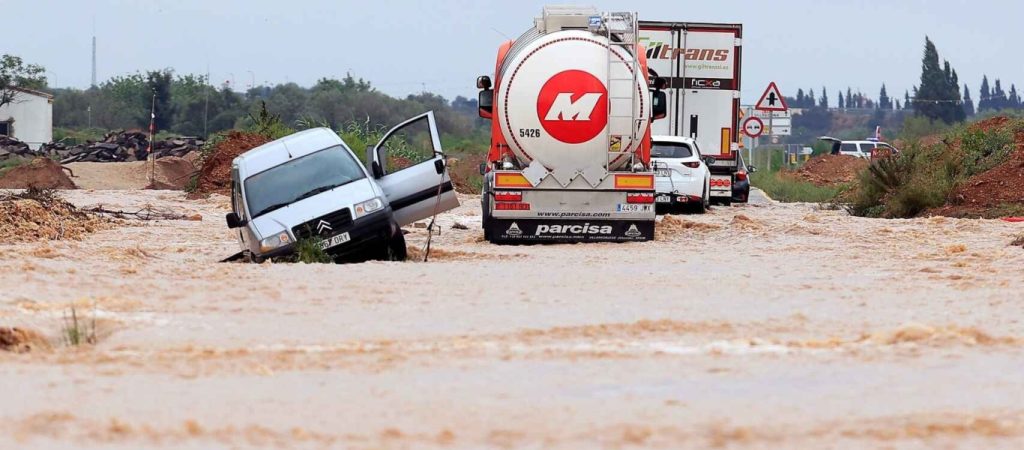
(206, 106)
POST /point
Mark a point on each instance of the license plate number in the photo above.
(663, 199)
(334, 241)
(664, 173)
(635, 208)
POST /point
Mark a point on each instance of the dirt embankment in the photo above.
(215, 175)
(830, 170)
(40, 173)
(1000, 187)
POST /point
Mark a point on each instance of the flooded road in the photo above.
(756, 326)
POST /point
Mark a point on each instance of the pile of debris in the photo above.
(38, 214)
(830, 170)
(116, 146)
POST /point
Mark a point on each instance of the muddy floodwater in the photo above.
(755, 326)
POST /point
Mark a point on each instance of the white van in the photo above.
(860, 149)
(310, 185)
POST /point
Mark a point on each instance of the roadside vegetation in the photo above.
(925, 175)
(783, 188)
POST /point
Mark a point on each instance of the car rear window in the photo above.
(671, 150)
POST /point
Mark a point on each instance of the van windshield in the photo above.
(300, 178)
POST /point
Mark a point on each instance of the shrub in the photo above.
(786, 189)
(308, 251)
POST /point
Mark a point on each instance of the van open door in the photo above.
(410, 167)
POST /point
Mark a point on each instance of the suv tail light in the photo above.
(508, 196)
(741, 176)
(640, 197)
(692, 164)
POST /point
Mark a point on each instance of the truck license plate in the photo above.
(334, 241)
(663, 199)
(635, 208)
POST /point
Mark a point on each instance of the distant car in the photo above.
(309, 185)
(682, 177)
(860, 149)
(741, 182)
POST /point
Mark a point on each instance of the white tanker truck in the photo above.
(571, 114)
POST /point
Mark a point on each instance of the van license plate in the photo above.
(334, 241)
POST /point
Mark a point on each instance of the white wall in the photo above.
(33, 119)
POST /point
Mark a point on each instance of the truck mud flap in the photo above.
(529, 231)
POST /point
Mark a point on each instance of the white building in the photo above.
(29, 118)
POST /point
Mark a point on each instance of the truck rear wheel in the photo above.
(485, 218)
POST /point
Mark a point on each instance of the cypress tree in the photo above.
(968, 103)
(906, 99)
(842, 103)
(1014, 100)
(800, 98)
(824, 98)
(999, 100)
(811, 100)
(884, 102)
(985, 102)
(938, 97)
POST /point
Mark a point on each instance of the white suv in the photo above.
(682, 178)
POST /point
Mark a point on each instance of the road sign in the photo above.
(777, 130)
(753, 127)
(787, 114)
(772, 99)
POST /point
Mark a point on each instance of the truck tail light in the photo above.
(508, 196)
(640, 197)
(692, 164)
(741, 176)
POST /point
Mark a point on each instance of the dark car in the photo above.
(741, 181)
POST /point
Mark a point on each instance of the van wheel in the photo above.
(396, 249)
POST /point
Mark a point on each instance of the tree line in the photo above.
(189, 105)
(938, 95)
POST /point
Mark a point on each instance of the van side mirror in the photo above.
(751, 169)
(709, 160)
(234, 221)
(376, 170)
(659, 105)
(485, 100)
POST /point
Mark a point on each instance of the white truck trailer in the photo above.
(702, 64)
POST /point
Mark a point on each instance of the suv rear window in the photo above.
(670, 150)
(849, 147)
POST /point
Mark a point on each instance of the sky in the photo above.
(441, 46)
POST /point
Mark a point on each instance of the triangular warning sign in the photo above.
(772, 100)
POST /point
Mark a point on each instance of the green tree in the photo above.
(985, 102)
(824, 98)
(938, 96)
(968, 103)
(159, 84)
(14, 73)
(842, 102)
(884, 102)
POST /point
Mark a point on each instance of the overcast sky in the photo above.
(402, 46)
